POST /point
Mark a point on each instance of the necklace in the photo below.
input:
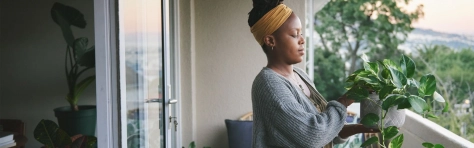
(297, 82)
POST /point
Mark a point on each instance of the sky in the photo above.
(449, 16)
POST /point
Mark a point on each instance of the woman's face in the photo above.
(289, 41)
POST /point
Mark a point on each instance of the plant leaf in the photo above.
(418, 104)
(357, 93)
(369, 79)
(408, 66)
(385, 91)
(446, 107)
(428, 145)
(85, 142)
(81, 86)
(438, 146)
(48, 133)
(430, 115)
(372, 67)
(88, 58)
(427, 85)
(70, 14)
(396, 142)
(390, 132)
(389, 63)
(404, 103)
(370, 141)
(398, 78)
(414, 83)
(192, 145)
(392, 100)
(370, 119)
(438, 97)
(352, 77)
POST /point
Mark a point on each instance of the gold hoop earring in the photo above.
(272, 48)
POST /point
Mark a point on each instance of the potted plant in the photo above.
(385, 89)
(51, 136)
(79, 58)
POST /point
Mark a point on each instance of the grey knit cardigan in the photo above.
(285, 117)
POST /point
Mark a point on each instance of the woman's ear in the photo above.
(269, 40)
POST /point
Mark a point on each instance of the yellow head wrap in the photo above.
(270, 22)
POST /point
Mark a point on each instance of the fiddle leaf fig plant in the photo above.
(79, 56)
(395, 85)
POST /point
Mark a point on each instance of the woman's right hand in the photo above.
(345, 101)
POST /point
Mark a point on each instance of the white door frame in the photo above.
(107, 79)
(108, 130)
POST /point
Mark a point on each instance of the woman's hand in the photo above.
(352, 129)
(345, 101)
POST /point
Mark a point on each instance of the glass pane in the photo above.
(140, 36)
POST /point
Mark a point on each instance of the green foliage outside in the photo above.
(348, 29)
(453, 70)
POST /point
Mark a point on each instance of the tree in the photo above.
(350, 28)
(355, 27)
(329, 74)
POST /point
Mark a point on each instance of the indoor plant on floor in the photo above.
(392, 88)
(79, 58)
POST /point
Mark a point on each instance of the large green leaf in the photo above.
(385, 91)
(398, 78)
(427, 85)
(372, 67)
(357, 93)
(438, 97)
(418, 104)
(392, 100)
(390, 64)
(370, 119)
(48, 133)
(70, 14)
(369, 79)
(65, 28)
(408, 66)
(396, 142)
(370, 141)
(390, 132)
(352, 77)
(404, 103)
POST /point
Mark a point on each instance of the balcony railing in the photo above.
(417, 130)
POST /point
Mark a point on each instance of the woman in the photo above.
(288, 110)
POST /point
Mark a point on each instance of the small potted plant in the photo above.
(79, 58)
(385, 89)
(51, 136)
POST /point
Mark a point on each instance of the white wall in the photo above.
(32, 52)
(219, 63)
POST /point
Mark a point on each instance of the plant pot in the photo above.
(77, 122)
(394, 116)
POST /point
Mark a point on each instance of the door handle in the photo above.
(173, 101)
(153, 101)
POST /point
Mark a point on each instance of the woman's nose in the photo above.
(302, 39)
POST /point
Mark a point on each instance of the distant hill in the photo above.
(420, 37)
